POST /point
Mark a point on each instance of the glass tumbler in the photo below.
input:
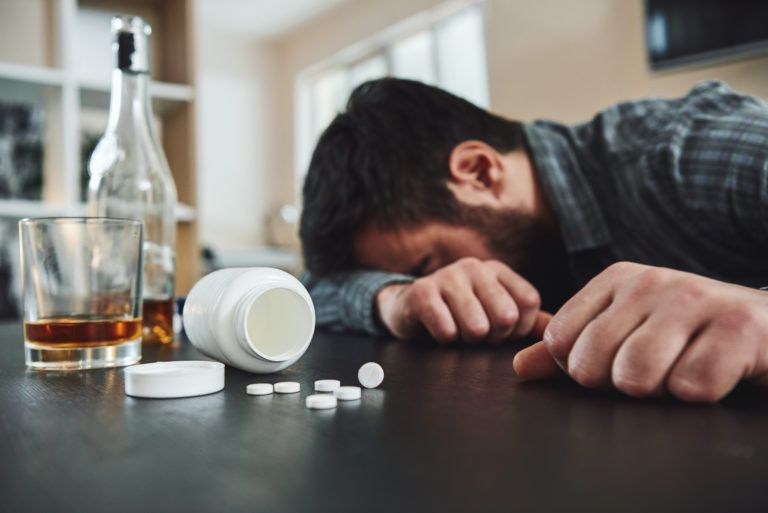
(81, 287)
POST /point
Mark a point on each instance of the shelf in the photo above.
(27, 208)
(31, 74)
(165, 96)
(16, 79)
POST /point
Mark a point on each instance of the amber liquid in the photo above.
(71, 332)
(158, 321)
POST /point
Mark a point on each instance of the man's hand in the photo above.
(469, 300)
(649, 330)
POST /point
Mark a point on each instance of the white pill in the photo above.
(347, 393)
(370, 375)
(259, 389)
(327, 385)
(321, 401)
(287, 387)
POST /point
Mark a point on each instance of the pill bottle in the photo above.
(256, 319)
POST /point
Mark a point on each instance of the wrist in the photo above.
(384, 304)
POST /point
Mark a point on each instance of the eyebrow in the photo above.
(419, 269)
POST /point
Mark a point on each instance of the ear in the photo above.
(476, 165)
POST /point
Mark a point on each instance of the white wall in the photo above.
(234, 126)
(566, 60)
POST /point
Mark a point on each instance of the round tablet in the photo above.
(348, 393)
(259, 389)
(321, 401)
(327, 385)
(287, 387)
(163, 380)
(370, 375)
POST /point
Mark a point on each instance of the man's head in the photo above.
(410, 172)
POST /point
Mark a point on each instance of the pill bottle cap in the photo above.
(174, 379)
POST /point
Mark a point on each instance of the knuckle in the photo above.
(555, 339)
(632, 383)
(583, 373)
(690, 291)
(742, 321)
(477, 329)
(507, 318)
(651, 278)
(530, 299)
(469, 262)
(443, 333)
(692, 390)
(621, 267)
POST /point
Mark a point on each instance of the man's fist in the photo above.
(649, 330)
(469, 300)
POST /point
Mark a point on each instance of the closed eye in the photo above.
(421, 267)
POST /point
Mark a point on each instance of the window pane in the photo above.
(328, 95)
(373, 67)
(413, 58)
(461, 56)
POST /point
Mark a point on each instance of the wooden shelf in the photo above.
(18, 209)
(31, 74)
(165, 96)
(61, 43)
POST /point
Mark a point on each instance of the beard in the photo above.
(527, 245)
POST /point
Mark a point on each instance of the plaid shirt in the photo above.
(679, 183)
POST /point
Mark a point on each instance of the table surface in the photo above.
(450, 429)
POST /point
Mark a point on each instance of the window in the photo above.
(444, 47)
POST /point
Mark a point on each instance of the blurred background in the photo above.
(242, 88)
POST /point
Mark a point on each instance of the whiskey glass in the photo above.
(81, 290)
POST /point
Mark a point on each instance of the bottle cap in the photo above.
(131, 43)
(174, 379)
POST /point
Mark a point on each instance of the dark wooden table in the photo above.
(449, 430)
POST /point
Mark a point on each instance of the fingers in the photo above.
(542, 321)
(499, 306)
(432, 312)
(711, 366)
(592, 355)
(468, 312)
(469, 299)
(572, 319)
(525, 296)
(438, 321)
(535, 362)
(569, 322)
(643, 362)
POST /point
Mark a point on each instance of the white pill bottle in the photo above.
(256, 319)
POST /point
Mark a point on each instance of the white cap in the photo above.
(174, 379)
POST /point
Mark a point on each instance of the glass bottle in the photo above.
(130, 177)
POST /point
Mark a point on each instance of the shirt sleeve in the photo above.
(345, 301)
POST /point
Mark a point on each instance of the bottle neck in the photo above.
(130, 109)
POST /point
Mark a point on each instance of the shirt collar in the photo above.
(551, 149)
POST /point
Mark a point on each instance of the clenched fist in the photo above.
(469, 300)
(649, 330)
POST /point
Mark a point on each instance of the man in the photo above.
(423, 212)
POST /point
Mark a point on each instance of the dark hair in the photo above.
(385, 161)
